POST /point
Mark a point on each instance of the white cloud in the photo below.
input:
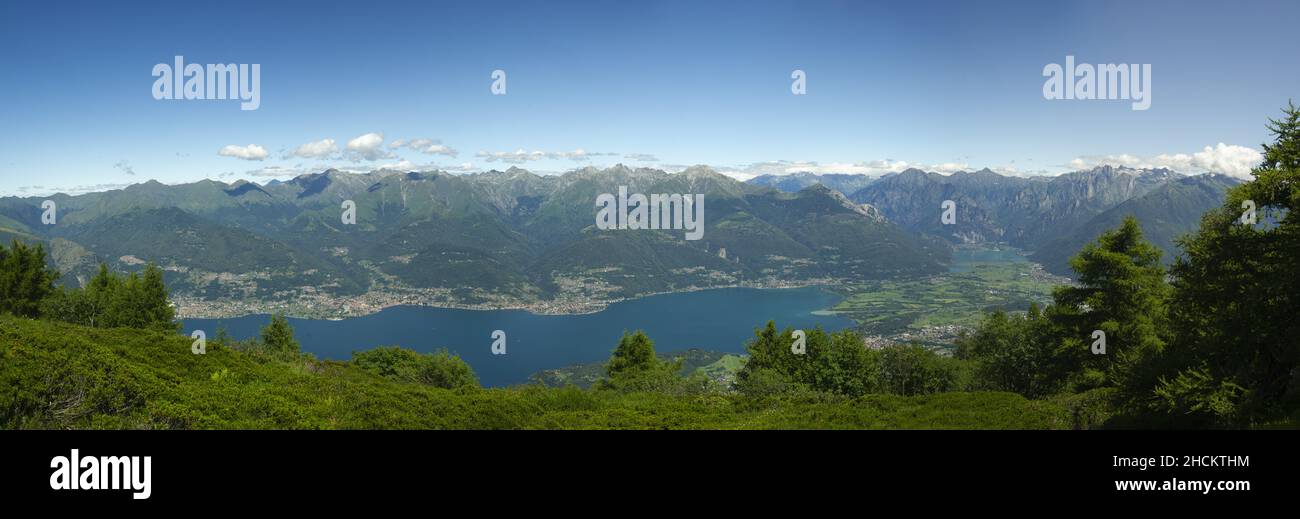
(1229, 159)
(949, 168)
(125, 167)
(316, 149)
(579, 155)
(641, 157)
(68, 190)
(406, 165)
(250, 152)
(368, 147)
(869, 168)
(1013, 171)
(426, 146)
(401, 165)
(521, 155)
(275, 171)
(512, 157)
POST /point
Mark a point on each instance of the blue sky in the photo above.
(942, 85)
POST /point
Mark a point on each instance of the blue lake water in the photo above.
(721, 320)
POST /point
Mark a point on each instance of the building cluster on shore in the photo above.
(310, 303)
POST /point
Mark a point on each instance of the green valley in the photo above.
(934, 310)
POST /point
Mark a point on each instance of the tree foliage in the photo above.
(438, 369)
(833, 363)
(110, 300)
(635, 353)
(1121, 291)
(841, 363)
(911, 369)
(1216, 342)
(25, 280)
(634, 366)
(277, 335)
(1015, 353)
(1236, 354)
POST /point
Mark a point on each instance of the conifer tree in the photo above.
(1121, 291)
(278, 335)
(635, 353)
(1236, 299)
(25, 280)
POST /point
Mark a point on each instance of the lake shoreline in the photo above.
(720, 320)
(186, 309)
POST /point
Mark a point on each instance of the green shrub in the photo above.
(439, 369)
(56, 376)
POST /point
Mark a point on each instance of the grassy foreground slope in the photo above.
(55, 376)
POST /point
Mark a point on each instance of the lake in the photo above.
(965, 258)
(719, 319)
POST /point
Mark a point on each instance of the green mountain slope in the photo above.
(198, 251)
(1167, 212)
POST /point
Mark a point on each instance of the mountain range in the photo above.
(792, 182)
(516, 239)
(1051, 216)
(494, 239)
(1167, 212)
